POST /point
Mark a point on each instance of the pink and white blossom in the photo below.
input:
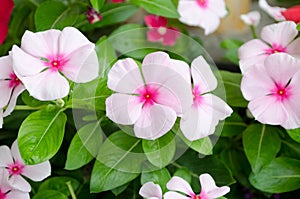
(251, 18)
(11, 160)
(207, 109)
(180, 189)
(151, 191)
(11, 87)
(46, 60)
(275, 38)
(150, 97)
(273, 11)
(273, 91)
(203, 13)
(7, 191)
(159, 31)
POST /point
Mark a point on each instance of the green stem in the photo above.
(253, 32)
(28, 108)
(71, 190)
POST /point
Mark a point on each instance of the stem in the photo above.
(71, 190)
(28, 108)
(253, 32)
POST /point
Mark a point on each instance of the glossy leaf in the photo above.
(97, 4)
(41, 135)
(160, 177)
(50, 194)
(294, 134)
(30, 101)
(59, 184)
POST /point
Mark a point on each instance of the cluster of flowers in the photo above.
(180, 189)
(12, 168)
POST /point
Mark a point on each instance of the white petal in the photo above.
(252, 48)
(294, 48)
(13, 100)
(19, 183)
(37, 172)
(274, 12)
(1, 118)
(16, 152)
(247, 63)
(182, 68)
(6, 156)
(5, 67)
(15, 194)
(218, 7)
(5, 187)
(123, 109)
(209, 188)
(174, 195)
(251, 18)
(157, 58)
(179, 184)
(5, 93)
(125, 76)
(154, 122)
(151, 190)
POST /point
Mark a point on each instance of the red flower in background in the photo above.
(292, 14)
(5, 11)
(117, 1)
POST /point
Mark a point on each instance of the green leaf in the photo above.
(232, 46)
(49, 194)
(294, 134)
(30, 101)
(261, 144)
(117, 191)
(160, 177)
(41, 135)
(106, 55)
(232, 83)
(184, 173)
(84, 146)
(234, 125)
(290, 148)
(164, 8)
(97, 4)
(161, 151)
(55, 14)
(59, 184)
(298, 26)
(281, 175)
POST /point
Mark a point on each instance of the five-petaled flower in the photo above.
(292, 14)
(273, 11)
(251, 18)
(149, 97)
(159, 31)
(203, 13)
(46, 58)
(273, 91)
(11, 87)
(5, 11)
(276, 38)
(150, 190)
(180, 189)
(207, 110)
(7, 191)
(11, 160)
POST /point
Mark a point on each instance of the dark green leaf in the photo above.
(117, 191)
(294, 134)
(59, 184)
(160, 177)
(49, 194)
(185, 174)
(232, 47)
(30, 101)
(234, 125)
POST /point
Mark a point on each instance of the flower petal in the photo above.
(5, 67)
(6, 156)
(125, 77)
(1, 118)
(157, 58)
(37, 172)
(149, 190)
(202, 75)
(169, 39)
(48, 85)
(218, 7)
(123, 109)
(274, 11)
(294, 48)
(251, 19)
(179, 184)
(209, 22)
(153, 35)
(40, 44)
(4, 180)
(174, 195)
(13, 100)
(247, 63)
(280, 34)
(155, 21)
(15, 194)
(182, 68)
(154, 121)
(252, 48)
(5, 93)
(19, 183)
(16, 152)
(209, 188)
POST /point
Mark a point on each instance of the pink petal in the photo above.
(125, 76)
(268, 110)
(16, 152)
(6, 156)
(218, 7)
(15, 194)
(153, 35)
(5, 93)
(13, 100)
(40, 44)
(25, 64)
(169, 38)
(179, 184)
(280, 34)
(209, 188)
(48, 85)
(123, 109)
(19, 183)
(252, 49)
(247, 63)
(155, 21)
(71, 40)
(83, 64)
(157, 58)
(37, 172)
(218, 192)
(294, 48)
(174, 195)
(154, 122)
(151, 190)
(5, 67)
(202, 75)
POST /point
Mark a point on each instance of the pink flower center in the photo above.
(276, 48)
(55, 63)
(148, 95)
(2, 195)
(281, 92)
(16, 168)
(202, 3)
(14, 81)
(197, 98)
(196, 197)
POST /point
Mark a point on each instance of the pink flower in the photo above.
(274, 12)
(11, 160)
(292, 14)
(5, 11)
(11, 87)
(209, 189)
(273, 91)
(7, 191)
(117, 1)
(203, 13)
(160, 32)
(251, 18)
(149, 97)
(202, 117)
(276, 38)
(151, 191)
(47, 58)
(93, 16)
